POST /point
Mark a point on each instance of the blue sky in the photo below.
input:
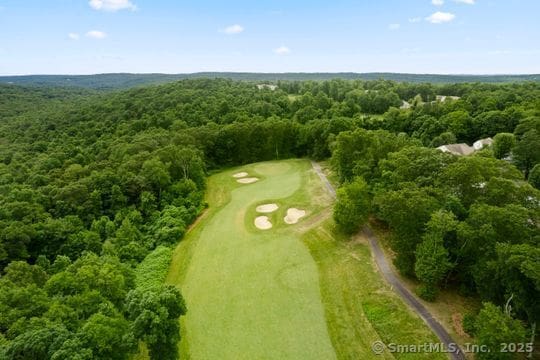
(415, 36)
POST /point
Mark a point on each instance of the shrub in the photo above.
(151, 272)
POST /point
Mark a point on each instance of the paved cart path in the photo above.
(395, 282)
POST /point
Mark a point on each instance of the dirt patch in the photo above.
(457, 320)
(240, 175)
(294, 215)
(267, 208)
(247, 180)
(263, 223)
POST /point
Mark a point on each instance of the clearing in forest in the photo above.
(291, 291)
(255, 294)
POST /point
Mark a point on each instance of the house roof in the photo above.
(480, 144)
(405, 105)
(457, 149)
(267, 86)
(443, 98)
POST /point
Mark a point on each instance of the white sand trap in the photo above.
(240, 175)
(247, 180)
(263, 223)
(293, 215)
(267, 208)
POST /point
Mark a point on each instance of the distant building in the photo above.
(443, 98)
(267, 86)
(405, 105)
(464, 149)
(457, 149)
(482, 143)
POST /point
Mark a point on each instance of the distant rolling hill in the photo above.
(122, 81)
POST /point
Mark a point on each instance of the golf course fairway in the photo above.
(250, 293)
(302, 291)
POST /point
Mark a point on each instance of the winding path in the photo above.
(396, 284)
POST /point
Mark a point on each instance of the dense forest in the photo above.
(96, 187)
(123, 81)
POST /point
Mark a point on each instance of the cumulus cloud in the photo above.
(437, 2)
(96, 34)
(282, 50)
(112, 5)
(233, 29)
(394, 26)
(469, 2)
(74, 36)
(440, 17)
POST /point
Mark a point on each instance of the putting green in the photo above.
(254, 294)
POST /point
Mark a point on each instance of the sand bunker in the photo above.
(293, 215)
(263, 223)
(247, 180)
(267, 208)
(240, 175)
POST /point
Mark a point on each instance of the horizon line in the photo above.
(271, 73)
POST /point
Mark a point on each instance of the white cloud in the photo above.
(233, 29)
(112, 5)
(415, 20)
(469, 2)
(74, 36)
(437, 2)
(282, 50)
(440, 17)
(96, 34)
(394, 26)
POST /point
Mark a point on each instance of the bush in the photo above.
(469, 324)
(151, 272)
(426, 292)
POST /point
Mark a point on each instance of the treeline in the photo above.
(126, 80)
(90, 186)
(469, 223)
(57, 298)
(77, 217)
(16, 100)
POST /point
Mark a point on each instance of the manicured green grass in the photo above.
(448, 304)
(360, 307)
(292, 292)
(253, 294)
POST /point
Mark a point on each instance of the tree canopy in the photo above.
(92, 182)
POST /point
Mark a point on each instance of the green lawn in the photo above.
(292, 292)
(254, 294)
(360, 306)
